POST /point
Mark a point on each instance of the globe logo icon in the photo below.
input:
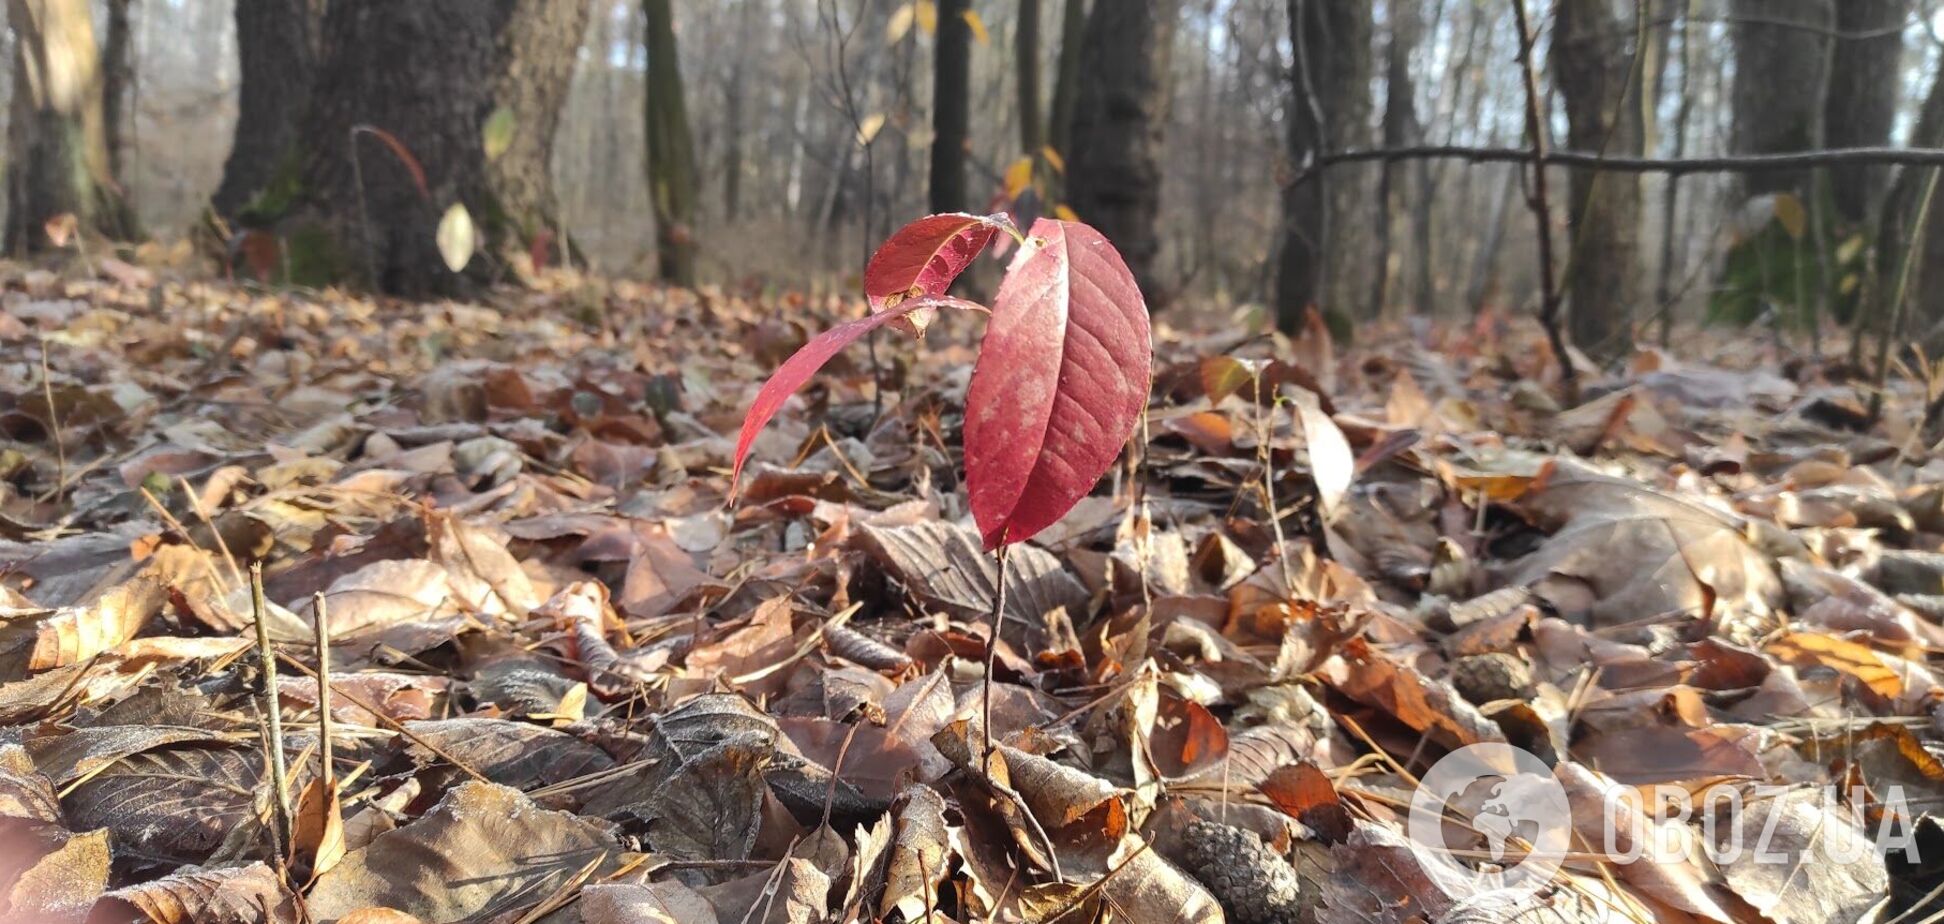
(1490, 818)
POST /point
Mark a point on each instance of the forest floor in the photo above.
(568, 682)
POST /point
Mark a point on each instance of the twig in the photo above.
(195, 504)
(1678, 166)
(267, 664)
(992, 659)
(1895, 322)
(321, 630)
(1536, 199)
(53, 420)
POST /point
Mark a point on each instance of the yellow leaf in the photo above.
(927, 13)
(1847, 251)
(1053, 158)
(1789, 211)
(1223, 376)
(868, 129)
(977, 25)
(1065, 214)
(1019, 176)
(456, 237)
(1841, 655)
(899, 24)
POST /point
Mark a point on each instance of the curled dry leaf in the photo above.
(233, 895)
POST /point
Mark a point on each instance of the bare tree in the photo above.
(1120, 111)
(1026, 43)
(671, 149)
(1865, 76)
(1399, 129)
(1329, 109)
(951, 106)
(431, 74)
(56, 135)
(1781, 63)
(276, 50)
(1593, 60)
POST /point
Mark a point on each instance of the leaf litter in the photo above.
(569, 683)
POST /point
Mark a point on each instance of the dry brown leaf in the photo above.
(1620, 551)
(946, 565)
(74, 634)
(483, 850)
(1840, 654)
(62, 885)
(515, 754)
(234, 895)
(920, 855)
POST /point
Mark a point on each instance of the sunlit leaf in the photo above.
(899, 23)
(868, 129)
(1789, 211)
(1019, 175)
(1039, 433)
(927, 14)
(977, 26)
(1053, 158)
(1064, 213)
(456, 237)
(497, 135)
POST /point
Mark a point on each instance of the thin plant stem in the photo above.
(1894, 324)
(273, 721)
(321, 629)
(992, 655)
(1541, 209)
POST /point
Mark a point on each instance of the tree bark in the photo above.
(1026, 43)
(276, 50)
(951, 106)
(1120, 112)
(1592, 60)
(430, 73)
(1899, 223)
(1400, 128)
(57, 140)
(671, 149)
(1865, 76)
(117, 78)
(1779, 84)
(1324, 230)
(1066, 79)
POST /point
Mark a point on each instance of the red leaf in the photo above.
(805, 362)
(1061, 380)
(923, 257)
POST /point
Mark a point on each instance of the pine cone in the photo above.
(1254, 885)
(1484, 678)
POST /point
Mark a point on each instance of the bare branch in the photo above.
(1734, 163)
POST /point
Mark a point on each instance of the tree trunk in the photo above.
(1026, 43)
(1066, 79)
(117, 79)
(1781, 57)
(1592, 59)
(1400, 129)
(732, 111)
(57, 142)
(276, 50)
(1324, 228)
(1120, 111)
(1865, 77)
(951, 106)
(431, 74)
(671, 149)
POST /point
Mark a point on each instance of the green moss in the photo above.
(279, 196)
(313, 256)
